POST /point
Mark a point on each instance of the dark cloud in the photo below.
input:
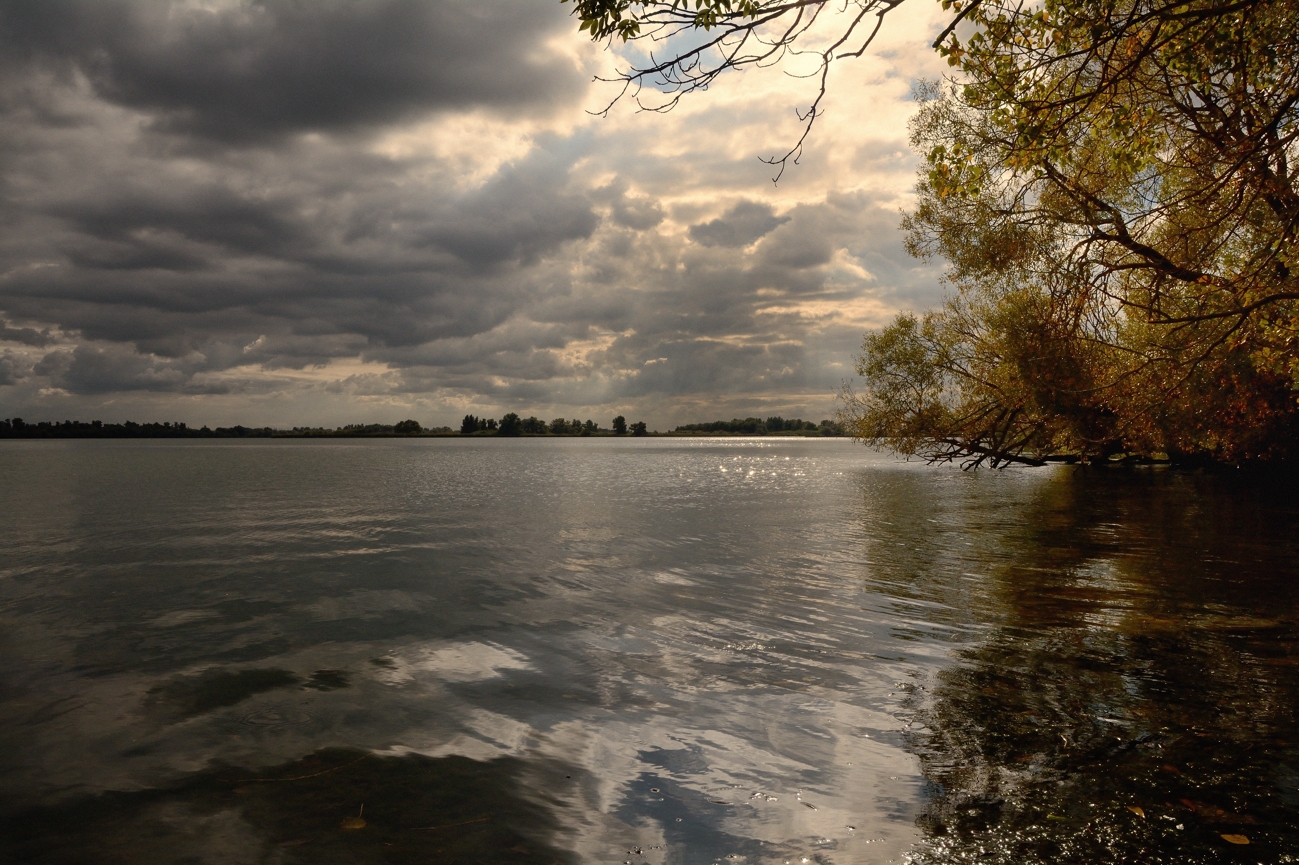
(12, 369)
(741, 225)
(249, 72)
(209, 268)
(799, 245)
(136, 229)
(520, 215)
(95, 369)
(637, 212)
(26, 335)
(640, 214)
(144, 260)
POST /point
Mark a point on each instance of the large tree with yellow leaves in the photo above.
(1114, 185)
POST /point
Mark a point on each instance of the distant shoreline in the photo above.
(168, 430)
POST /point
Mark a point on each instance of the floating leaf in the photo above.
(1136, 809)
(357, 822)
(1235, 839)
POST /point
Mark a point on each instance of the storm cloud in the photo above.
(292, 213)
(243, 72)
(739, 226)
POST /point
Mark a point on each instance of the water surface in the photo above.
(662, 651)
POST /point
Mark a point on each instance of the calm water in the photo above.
(652, 651)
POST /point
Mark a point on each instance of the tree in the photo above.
(408, 427)
(1113, 183)
(829, 427)
(559, 426)
(469, 425)
(620, 426)
(639, 428)
(511, 425)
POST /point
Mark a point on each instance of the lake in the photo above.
(760, 650)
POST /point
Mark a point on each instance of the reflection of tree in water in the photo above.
(333, 806)
(1138, 702)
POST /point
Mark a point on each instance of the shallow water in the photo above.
(662, 651)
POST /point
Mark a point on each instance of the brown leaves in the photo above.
(1162, 243)
(357, 822)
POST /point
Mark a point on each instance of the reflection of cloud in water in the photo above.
(672, 578)
(458, 662)
(723, 659)
(740, 783)
(182, 617)
(415, 809)
(362, 604)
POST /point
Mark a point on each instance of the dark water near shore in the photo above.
(655, 651)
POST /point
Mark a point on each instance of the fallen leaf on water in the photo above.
(1235, 839)
(357, 822)
(1173, 769)
(1136, 809)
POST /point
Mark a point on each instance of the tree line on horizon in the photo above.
(17, 428)
(509, 425)
(758, 426)
(513, 425)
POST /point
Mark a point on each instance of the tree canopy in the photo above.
(1113, 185)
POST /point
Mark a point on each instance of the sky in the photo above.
(301, 214)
